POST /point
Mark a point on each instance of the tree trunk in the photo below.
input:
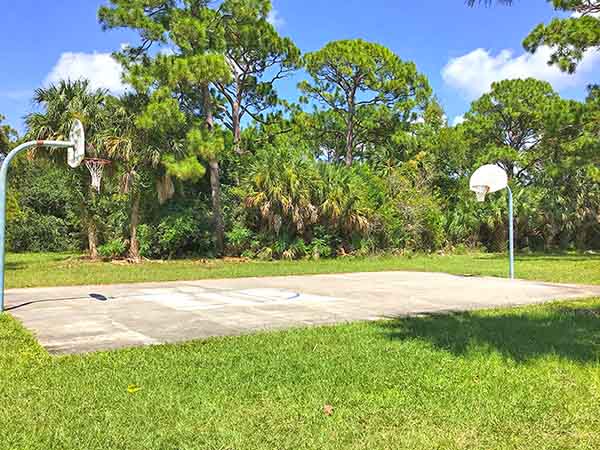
(350, 131)
(92, 234)
(236, 125)
(215, 184)
(349, 145)
(215, 181)
(134, 245)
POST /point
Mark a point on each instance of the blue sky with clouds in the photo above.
(461, 50)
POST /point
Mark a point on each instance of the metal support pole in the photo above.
(3, 185)
(511, 234)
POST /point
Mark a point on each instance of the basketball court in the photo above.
(91, 318)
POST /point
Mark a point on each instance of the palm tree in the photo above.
(340, 201)
(280, 185)
(61, 104)
(137, 154)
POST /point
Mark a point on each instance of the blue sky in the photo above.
(461, 50)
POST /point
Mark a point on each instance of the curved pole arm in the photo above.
(3, 182)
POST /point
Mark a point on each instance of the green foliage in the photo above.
(180, 230)
(569, 37)
(62, 103)
(112, 249)
(279, 188)
(369, 87)
(203, 142)
(188, 168)
(546, 145)
(175, 233)
(7, 136)
(511, 125)
(207, 145)
(37, 232)
(333, 208)
(161, 114)
(181, 83)
(59, 105)
(146, 240)
(42, 210)
(257, 57)
(240, 239)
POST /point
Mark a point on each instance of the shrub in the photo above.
(265, 254)
(411, 216)
(320, 248)
(295, 250)
(112, 249)
(239, 239)
(184, 231)
(35, 232)
(176, 234)
(279, 191)
(146, 240)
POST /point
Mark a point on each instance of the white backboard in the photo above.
(76, 153)
(491, 176)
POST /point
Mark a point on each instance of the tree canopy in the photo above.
(367, 86)
(7, 135)
(568, 37)
(207, 159)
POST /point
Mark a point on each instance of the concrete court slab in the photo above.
(89, 318)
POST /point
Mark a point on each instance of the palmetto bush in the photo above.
(280, 189)
(299, 207)
(344, 204)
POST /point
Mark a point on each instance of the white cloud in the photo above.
(166, 51)
(458, 120)
(275, 19)
(577, 15)
(101, 69)
(473, 73)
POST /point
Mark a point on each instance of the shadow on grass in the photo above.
(569, 332)
(549, 256)
(577, 259)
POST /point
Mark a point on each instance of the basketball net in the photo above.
(480, 192)
(96, 168)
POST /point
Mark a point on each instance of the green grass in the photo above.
(30, 270)
(526, 378)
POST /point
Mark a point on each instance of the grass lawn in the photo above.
(526, 378)
(30, 270)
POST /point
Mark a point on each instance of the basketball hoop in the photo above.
(480, 192)
(492, 178)
(96, 168)
(487, 179)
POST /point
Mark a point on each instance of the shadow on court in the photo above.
(92, 296)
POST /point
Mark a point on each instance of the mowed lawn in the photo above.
(526, 378)
(51, 269)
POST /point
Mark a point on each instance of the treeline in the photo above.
(208, 160)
